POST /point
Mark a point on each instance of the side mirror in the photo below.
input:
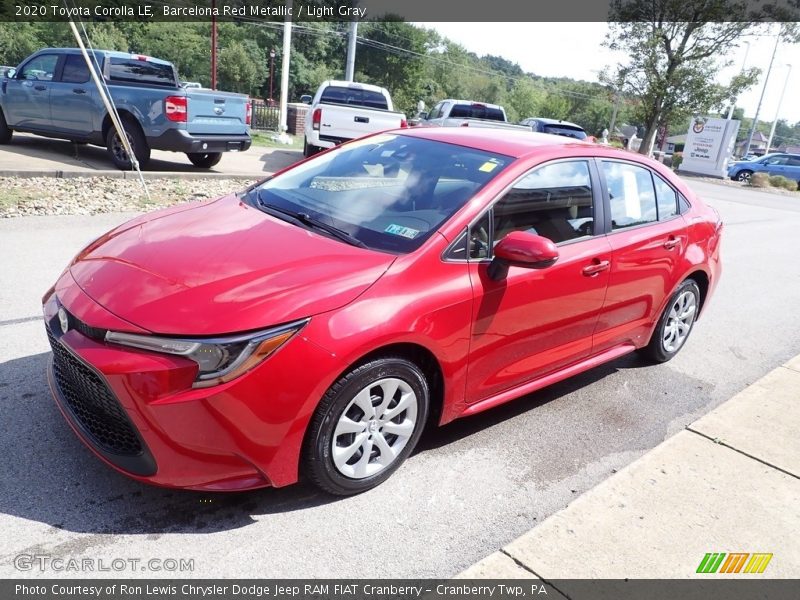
(522, 249)
(422, 116)
(305, 99)
(10, 73)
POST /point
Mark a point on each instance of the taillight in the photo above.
(316, 119)
(403, 123)
(248, 114)
(176, 108)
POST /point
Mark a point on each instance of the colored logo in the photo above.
(699, 125)
(734, 562)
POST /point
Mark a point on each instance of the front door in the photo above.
(533, 322)
(28, 94)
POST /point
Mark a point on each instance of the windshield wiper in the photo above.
(305, 220)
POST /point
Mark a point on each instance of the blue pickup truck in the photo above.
(52, 94)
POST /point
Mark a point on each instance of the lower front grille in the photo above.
(92, 404)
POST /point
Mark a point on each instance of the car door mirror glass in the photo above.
(10, 73)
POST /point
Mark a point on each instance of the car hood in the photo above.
(221, 267)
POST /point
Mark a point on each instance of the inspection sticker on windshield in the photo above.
(406, 232)
(489, 166)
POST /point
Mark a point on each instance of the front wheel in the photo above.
(366, 425)
(116, 149)
(744, 176)
(204, 160)
(675, 324)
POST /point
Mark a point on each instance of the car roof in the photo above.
(111, 53)
(486, 104)
(515, 143)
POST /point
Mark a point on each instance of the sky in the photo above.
(574, 50)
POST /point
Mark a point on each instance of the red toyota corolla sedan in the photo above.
(313, 324)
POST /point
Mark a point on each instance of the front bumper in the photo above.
(180, 140)
(244, 434)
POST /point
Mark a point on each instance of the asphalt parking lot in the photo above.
(470, 488)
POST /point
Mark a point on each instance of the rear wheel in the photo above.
(116, 149)
(308, 149)
(744, 176)
(675, 324)
(5, 131)
(204, 160)
(366, 425)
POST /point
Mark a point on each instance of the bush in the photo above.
(759, 180)
(790, 185)
(677, 159)
(777, 180)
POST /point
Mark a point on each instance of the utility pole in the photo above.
(761, 99)
(778, 110)
(213, 45)
(733, 100)
(350, 66)
(283, 137)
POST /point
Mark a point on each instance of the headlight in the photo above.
(218, 359)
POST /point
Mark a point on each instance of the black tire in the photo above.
(308, 149)
(204, 160)
(117, 151)
(658, 349)
(5, 131)
(318, 448)
(744, 175)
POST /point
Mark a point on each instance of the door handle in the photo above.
(596, 267)
(40, 87)
(671, 242)
(78, 91)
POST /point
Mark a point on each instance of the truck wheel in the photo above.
(204, 160)
(116, 149)
(5, 131)
(308, 149)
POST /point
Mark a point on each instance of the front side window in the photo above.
(631, 195)
(775, 160)
(40, 68)
(553, 201)
(389, 192)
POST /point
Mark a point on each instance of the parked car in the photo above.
(52, 94)
(787, 165)
(466, 113)
(343, 110)
(317, 321)
(555, 127)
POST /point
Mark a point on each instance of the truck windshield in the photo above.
(142, 71)
(476, 111)
(354, 96)
(389, 192)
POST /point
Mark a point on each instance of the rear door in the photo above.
(216, 113)
(28, 94)
(73, 96)
(648, 238)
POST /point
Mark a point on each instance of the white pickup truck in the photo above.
(343, 110)
(466, 113)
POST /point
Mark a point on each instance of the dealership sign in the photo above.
(709, 146)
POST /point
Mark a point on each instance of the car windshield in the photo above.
(389, 192)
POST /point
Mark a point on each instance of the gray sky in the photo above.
(574, 50)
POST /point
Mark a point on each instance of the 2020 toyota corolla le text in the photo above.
(313, 324)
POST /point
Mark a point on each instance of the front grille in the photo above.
(93, 406)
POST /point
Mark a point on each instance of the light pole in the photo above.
(733, 100)
(778, 110)
(271, 71)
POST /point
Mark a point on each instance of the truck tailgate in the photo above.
(349, 122)
(216, 113)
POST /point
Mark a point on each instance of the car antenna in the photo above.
(107, 101)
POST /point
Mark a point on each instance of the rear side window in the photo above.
(794, 161)
(354, 97)
(553, 201)
(666, 198)
(631, 195)
(75, 69)
(142, 71)
(476, 111)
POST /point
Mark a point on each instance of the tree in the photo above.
(673, 47)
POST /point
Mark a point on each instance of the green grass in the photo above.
(265, 139)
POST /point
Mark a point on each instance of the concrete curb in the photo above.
(114, 174)
(729, 482)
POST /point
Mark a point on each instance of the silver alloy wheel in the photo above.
(679, 322)
(374, 428)
(744, 176)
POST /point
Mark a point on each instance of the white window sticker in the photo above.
(405, 232)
